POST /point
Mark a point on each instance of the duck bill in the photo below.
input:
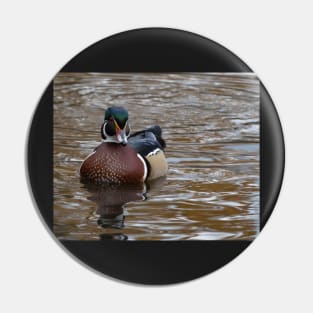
(121, 137)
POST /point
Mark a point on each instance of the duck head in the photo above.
(115, 127)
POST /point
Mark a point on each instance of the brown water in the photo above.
(211, 126)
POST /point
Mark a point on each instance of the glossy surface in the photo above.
(211, 126)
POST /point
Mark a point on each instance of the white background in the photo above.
(274, 38)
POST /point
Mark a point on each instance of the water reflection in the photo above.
(110, 201)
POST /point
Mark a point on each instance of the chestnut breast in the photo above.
(113, 163)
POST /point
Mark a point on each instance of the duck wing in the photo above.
(147, 141)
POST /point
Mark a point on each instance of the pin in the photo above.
(155, 156)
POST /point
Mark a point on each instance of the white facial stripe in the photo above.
(107, 137)
(127, 124)
(103, 131)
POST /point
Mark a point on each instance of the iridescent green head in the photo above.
(119, 114)
(115, 127)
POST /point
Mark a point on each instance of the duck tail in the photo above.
(157, 131)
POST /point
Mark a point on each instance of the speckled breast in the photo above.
(113, 163)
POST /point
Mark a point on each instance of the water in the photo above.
(211, 126)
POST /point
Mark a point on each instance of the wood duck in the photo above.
(122, 158)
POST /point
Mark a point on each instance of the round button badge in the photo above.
(155, 156)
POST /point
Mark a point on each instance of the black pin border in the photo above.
(154, 50)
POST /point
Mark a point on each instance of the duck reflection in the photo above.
(110, 201)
